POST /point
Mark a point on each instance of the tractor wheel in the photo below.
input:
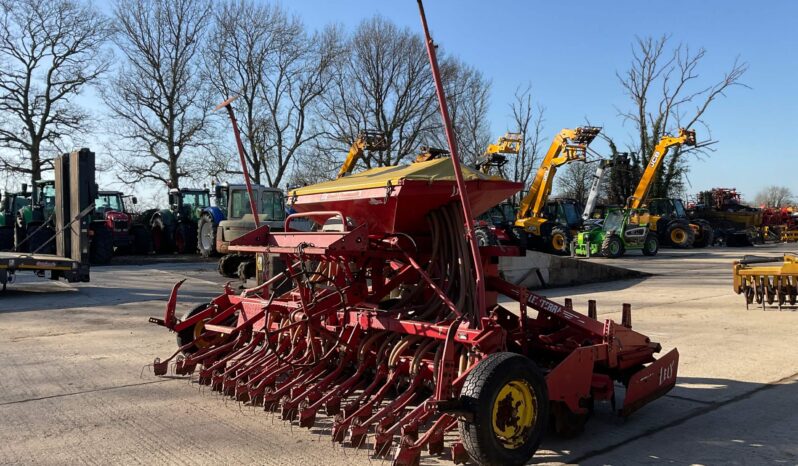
(20, 245)
(186, 238)
(650, 245)
(485, 237)
(142, 242)
(37, 237)
(507, 395)
(6, 239)
(520, 238)
(163, 237)
(101, 245)
(246, 270)
(206, 232)
(559, 240)
(612, 247)
(194, 334)
(680, 235)
(706, 236)
(228, 265)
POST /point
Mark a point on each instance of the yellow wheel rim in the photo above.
(514, 413)
(199, 342)
(678, 236)
(558, 242)
(202, 341)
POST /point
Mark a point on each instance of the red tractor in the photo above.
(127, 236)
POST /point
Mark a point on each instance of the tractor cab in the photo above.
(39, 207)
(667, 207)
(10, 205)
(187, 204)
(220, 193)
(109, 207)
(269, 202)
(34, 214)
(108, 201)
(565, 212)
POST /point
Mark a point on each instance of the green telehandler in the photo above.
(622, 230)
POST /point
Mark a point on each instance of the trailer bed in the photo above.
(59, 267)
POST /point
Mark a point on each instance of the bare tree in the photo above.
(667, 93)
(468, 96)
(159, 104)
(574, 181)
(49, 51)
(384, 85)
(774, 197)
(265, 56)
(527, 119)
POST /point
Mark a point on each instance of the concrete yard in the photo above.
(73, 391)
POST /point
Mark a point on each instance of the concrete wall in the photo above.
(539, 270)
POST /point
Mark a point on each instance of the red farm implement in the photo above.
(393, 326)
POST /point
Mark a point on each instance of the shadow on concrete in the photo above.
(701, 421)
(29, 298)
(159, 259)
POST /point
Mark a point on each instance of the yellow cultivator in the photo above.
(767, 279)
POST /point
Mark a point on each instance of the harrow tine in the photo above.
(307, 414)
(388, 413)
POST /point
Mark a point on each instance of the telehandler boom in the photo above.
(366, 140)
(686, 137)
(668, 216)
(568, 146)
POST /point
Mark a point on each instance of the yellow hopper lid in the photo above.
(431, 171)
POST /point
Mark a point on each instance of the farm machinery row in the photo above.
(191, 224)
(387, 319)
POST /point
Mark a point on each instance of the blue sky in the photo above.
(570, 51)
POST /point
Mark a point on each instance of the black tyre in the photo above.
(20, 245)
(101, 245)
(650, 245)
(520, 237)
(559, 240)
(140, 237)
(246, 270)
(206, 236)
(228, 265)
(738, 240)
(38, 238)
(188, 335)
(6, 238)
(163, 236)
(186, 238)
(612, 246)
(507, 395)
(485, 237)
(680, 235)
(705, 236)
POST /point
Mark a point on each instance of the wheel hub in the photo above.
(514, 413)
(558, 242)
(206, 236)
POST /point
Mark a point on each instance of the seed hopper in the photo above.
(399, 329)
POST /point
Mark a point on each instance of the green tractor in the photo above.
(34, 225)
(175, 229)
(622, 230)
(10, 204)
